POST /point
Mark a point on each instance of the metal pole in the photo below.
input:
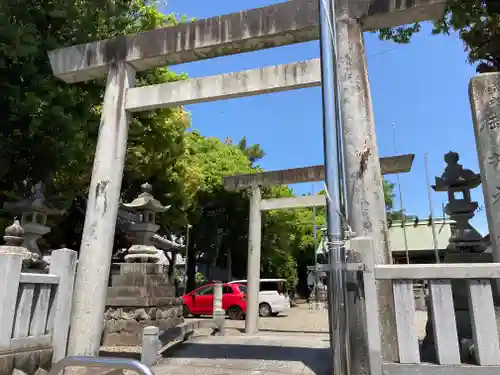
(102, 363)
(188, 227)
(339, 337)
(401, 201)
(431, 216)
(316, 275)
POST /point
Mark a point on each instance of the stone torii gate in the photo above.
(253, 182)
(277, 25)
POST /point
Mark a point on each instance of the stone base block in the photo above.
(459, 287)
(31, 362)
(123, 326)
(464, 332)
(142, 268)
(140, 295)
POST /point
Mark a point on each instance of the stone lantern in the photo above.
(458, 182)
(465, 246)
(34, 212)
(141, 294)
(145, 206)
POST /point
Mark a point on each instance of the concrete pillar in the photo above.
(484, 92)
(219, 315)
(253, 267)
(364, 183)
(92, 276)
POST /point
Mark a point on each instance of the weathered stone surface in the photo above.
(45, 359)
(266, 80)
(388, 165)
(96, 250)
(151, 291)
(124, 326)
(6, 363)
(140, 314)
(33, 362)
(484, 92)
(272, 26)
(41, 371)
(141, 295)
(142, 269)
(139, 279)
(141, 284)
(27, 361)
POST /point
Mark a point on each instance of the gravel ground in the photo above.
(299, 320)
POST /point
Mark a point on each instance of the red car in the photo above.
(201, 301)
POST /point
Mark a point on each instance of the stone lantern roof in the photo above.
(455, 175)
(145, 201)
(34, 212)
(36, 203)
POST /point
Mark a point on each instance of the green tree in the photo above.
(478, 25)
(253, 152)
(49, 127)
(389, 195)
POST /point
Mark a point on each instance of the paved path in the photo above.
(297, 320)
(264, 354)
(295, 343)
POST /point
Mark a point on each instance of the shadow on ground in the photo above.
(123, 354)
(278, 330)
(282, 359)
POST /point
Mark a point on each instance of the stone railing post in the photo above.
(63, 264)
(151, 345)
(219, 315)
(10, 274)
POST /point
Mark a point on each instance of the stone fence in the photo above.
(35, 311)
(462, 333)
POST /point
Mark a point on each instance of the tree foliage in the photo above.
(478, 25)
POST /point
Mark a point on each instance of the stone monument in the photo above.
(141, 294)
(484, 93)
(34, 212)
(465, 246)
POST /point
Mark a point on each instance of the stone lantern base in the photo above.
(139, 296)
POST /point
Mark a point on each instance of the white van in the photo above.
(273, 296)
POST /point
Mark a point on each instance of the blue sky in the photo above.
(421, 87)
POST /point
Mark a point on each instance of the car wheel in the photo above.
(185, 311)
(235, 313)
(265, 309)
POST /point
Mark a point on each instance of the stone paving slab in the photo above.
(249, 355)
